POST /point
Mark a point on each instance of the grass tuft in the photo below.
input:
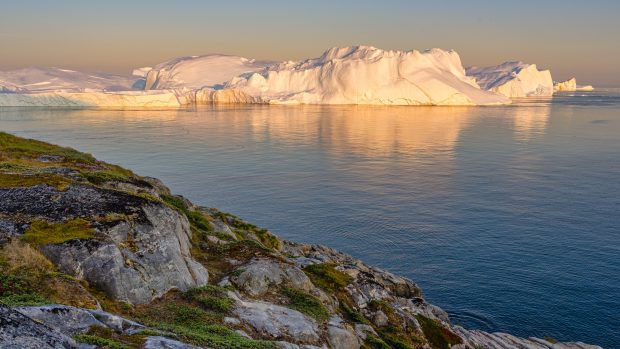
(438, 336)
(306, 304)
(43, 233)
(327, 277)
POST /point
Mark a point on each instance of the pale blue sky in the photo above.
(580, 38)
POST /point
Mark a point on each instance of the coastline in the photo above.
(134, 248)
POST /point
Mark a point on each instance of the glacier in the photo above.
(514, 79)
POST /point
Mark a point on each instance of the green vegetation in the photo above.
(197, 219)
(100, 341)
(306, 304)
(352, 314)
(11, 180)
(438, 336)
(102, 176)
(376, 343)
(17, 147)
(211, 298)
(43, 233)
(327, 277)
(28, 278)
(194, 325)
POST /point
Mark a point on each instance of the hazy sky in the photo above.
(580, 38)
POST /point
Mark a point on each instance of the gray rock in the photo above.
(158, 342)
(276, 322)
(65, 319)
(117, 323)
(380, 319)
(17, 331)
(222, 228)
(481, 339)
(362, 331)
(259, 275)
(341, 335)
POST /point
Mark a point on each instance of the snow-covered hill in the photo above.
(514, 79)
(200, 71)
(360, 75)
(56, 79)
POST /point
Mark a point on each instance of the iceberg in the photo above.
(358, 75)
(121, 99)
(514, 79)
(56, 79)
(571, 85)
(196, 72)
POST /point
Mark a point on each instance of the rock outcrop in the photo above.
(71, 225)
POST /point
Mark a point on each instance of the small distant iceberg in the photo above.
(571, 85)
(514, 79)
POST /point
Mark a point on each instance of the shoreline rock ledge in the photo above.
(95, 256)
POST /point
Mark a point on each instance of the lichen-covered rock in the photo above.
(340, 335)
(158, 342)
(276, 322)
(258, 275)
(18, 331)
(135, 259)
(64, 319)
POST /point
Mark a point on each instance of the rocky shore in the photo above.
(95, 256)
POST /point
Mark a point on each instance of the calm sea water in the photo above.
(508, 217)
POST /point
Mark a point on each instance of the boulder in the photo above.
(340, 335)
(258, 275)
(158, 342)
(18, 331)
(276, 322)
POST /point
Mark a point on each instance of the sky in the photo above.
(572, 38)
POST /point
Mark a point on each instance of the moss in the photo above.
(306, 304)
(268, 239)
(376, 343)
(100, 342)
(352, 314)
(438, 336)
(43, 233)
(102, 176)
(17, 147)
(209, 297)
(11, 180)
(25, 299)
(197, 219)
(327, 277)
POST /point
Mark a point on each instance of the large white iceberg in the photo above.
(514, 79)
(200, 71)
(56, 79)
(359, 75)
(571, 85)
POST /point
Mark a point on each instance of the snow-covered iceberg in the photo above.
(200, 71)
(56, 79)
(571, 85)
(514, 79)
(359, 75)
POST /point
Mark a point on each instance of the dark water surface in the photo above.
(507, 217)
